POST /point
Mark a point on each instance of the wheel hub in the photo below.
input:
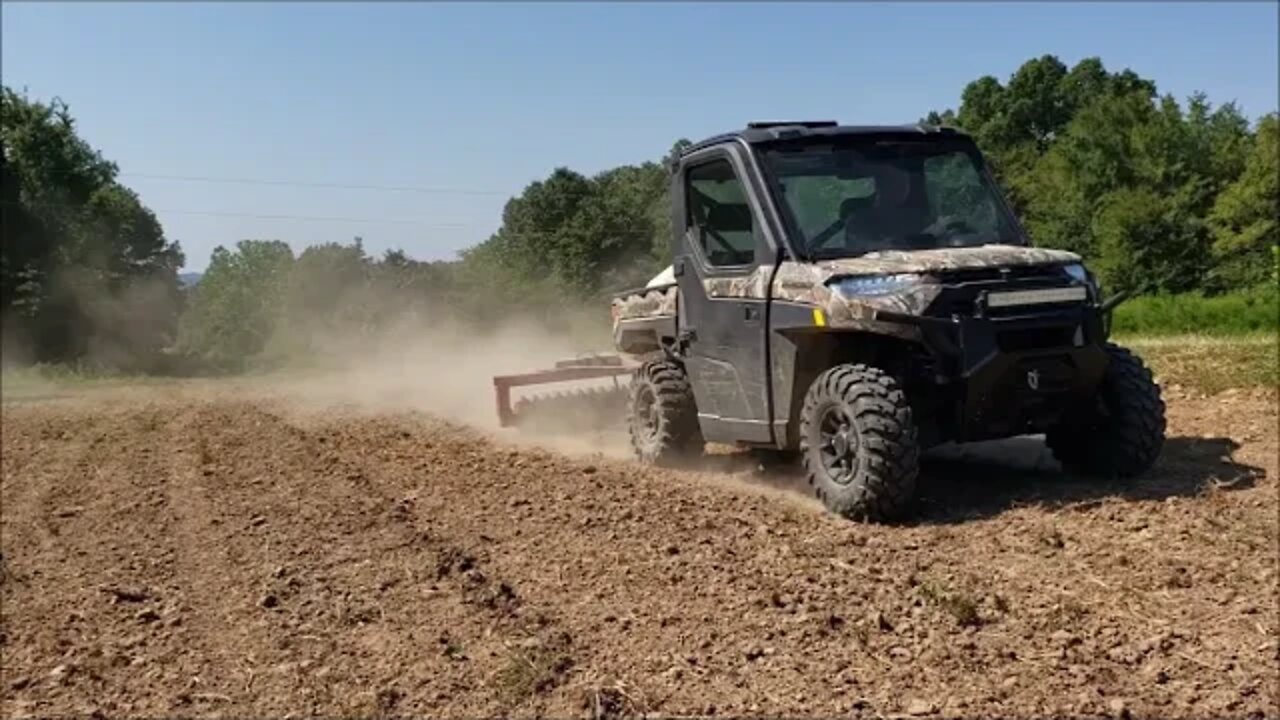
(838, 446)
(840, 443)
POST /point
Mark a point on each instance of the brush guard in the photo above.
(591, 367)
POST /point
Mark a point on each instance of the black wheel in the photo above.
(1122, 432)
(858, 443)
(661, 415)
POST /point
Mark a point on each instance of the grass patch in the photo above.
(1211, 364)
(534, 667)
(959, 604)
(1252, 311)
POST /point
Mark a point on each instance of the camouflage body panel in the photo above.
(806, 283)
(645, 304)
(751, 286)
(888, 262)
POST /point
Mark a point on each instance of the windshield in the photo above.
(864, 195)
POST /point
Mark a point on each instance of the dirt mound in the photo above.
(178, 554)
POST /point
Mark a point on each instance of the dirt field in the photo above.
(185, 550)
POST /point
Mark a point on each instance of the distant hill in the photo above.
(189, 278)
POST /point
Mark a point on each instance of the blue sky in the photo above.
(486, 98)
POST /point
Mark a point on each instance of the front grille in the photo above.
(962, 288)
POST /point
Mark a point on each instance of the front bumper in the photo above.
(1010, 371)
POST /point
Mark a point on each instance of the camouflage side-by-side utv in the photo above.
(859, 294)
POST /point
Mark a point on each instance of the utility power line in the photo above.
(300, 183)
(321, 218)
(441, 190)
(318, 218)
(267, 216)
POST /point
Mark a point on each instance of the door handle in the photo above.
(751, 313)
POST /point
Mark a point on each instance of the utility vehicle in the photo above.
(856, 295)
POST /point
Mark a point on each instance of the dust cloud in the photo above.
(445, 370)
(84, 327)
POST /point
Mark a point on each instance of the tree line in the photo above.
(85, 267)
(1147, 189)
(1160, 195)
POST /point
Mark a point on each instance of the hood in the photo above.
(943, 259)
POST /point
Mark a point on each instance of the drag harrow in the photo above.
(598, 406)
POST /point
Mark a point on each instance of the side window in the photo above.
(719, 215)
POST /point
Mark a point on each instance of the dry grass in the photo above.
(534, 667)
(959, 603)
(1210, 364)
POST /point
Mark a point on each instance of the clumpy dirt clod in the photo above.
(236, 556)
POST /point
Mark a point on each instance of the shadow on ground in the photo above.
(972, 482)
(959, 483)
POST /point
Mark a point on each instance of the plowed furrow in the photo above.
(329, 575)
(203, 557)
(92, 562)
(730, 594)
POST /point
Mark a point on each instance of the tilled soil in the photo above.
(199, 555)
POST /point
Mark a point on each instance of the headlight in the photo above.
(1077, 272)
(875, 284)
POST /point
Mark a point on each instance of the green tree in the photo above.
(1135, 232)
(1131, 147)
(1019, 123)
(76, 247)
(1152, 191)
(575, 236)
(235, 309)
(1244, 214)
(316, 295)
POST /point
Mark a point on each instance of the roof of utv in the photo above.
(764, 132)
